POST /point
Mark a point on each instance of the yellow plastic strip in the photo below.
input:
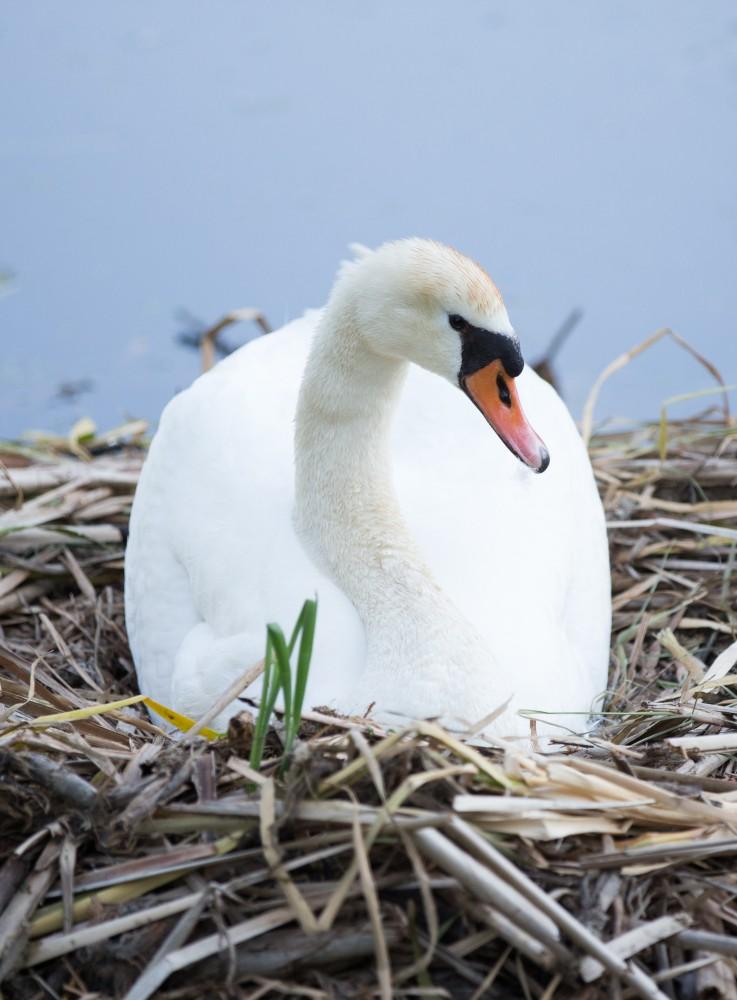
(182, 722)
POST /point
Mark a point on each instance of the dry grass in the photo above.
(408, 864)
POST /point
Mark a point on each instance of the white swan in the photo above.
(450, 576)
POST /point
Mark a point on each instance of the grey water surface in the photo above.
(169, 156)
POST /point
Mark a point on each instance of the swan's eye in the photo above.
(503, 390)
(458, 323)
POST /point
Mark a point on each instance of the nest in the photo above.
(136, 863)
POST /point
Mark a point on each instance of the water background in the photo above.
(168, 156)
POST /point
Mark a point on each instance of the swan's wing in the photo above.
(212, 538)
(523, 556)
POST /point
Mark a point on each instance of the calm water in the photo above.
(158, 157)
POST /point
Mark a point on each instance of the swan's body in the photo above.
(449, 576)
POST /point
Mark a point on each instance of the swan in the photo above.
(340, 456)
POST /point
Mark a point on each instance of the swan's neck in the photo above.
(346, 511)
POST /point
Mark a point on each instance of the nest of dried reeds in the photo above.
(135, 863)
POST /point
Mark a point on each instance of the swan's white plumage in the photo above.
(213, 554)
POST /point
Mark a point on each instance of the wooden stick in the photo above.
(580, 935)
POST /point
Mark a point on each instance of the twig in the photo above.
(720, 944)
(55, 945)
(584, 938)
(15, 920)
(209, 337)
(157, 971)
(487, 887)
(54, 777)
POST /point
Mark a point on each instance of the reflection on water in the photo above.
(177, 157)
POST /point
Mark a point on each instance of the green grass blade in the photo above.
(269, 694)
(284, 667)
(308, 620)
(279, 676)
(296, 630)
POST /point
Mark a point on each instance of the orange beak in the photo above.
(495, 394)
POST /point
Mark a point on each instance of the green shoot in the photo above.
(280, 677)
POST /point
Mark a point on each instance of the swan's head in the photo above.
(425, 302)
